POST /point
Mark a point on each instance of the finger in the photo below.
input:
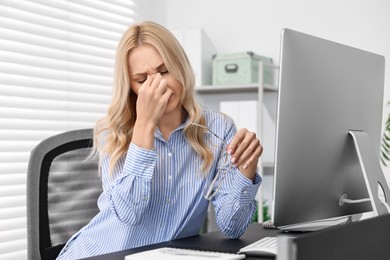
(243, 146)
(156, 89)
(253, 157)
(156, 80)
(243, 155)
(144, 85)
(165, 97)
(162, 86)
(237, 139)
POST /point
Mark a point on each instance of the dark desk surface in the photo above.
(365, 239)
(213, 241)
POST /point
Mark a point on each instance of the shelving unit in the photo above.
(266, 97)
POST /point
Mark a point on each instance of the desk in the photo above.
(213, 241)
(365, 239)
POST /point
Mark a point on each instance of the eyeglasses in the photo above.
(212, 188)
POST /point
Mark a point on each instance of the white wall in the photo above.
(255, 25)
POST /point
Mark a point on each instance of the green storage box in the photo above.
(240, 68)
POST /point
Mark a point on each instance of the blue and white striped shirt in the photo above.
(157, 195)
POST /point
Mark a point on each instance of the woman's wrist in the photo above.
(250, 171)
(143, 135)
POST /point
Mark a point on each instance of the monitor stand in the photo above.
(372, 172)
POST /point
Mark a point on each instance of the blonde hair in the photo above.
(113, 133)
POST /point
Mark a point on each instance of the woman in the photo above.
(159, 151)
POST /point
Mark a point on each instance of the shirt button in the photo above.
(170, 177)
(169, 154)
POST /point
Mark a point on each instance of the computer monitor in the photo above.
(328, 133)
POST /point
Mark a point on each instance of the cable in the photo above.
(384, 203)
(343, 199)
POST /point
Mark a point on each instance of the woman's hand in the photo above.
(153, 97)
(245, 150)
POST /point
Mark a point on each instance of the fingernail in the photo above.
(230, 151)
(233, 160)
(245, 166)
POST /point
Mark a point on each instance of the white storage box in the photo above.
(241, 68)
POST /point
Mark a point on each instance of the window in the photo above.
(56, 67)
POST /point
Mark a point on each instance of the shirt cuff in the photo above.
(140, 161)
(244, 189)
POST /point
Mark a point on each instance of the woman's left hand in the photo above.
(245, 150)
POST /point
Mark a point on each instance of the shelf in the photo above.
(233, 88)
(268, 164)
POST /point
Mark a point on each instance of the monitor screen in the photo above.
(326, 89)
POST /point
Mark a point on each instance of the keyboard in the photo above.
(267, 246)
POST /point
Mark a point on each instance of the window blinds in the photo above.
(56, 67)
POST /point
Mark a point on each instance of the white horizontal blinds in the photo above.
(56, 67)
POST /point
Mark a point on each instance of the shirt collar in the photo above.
(158, 134)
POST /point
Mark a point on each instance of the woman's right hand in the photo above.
(153, 96)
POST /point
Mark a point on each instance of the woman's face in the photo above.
(145, 60)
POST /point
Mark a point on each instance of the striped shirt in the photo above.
(157, 195)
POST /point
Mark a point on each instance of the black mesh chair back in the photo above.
(63, 186)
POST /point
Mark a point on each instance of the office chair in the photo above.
(63, 186)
